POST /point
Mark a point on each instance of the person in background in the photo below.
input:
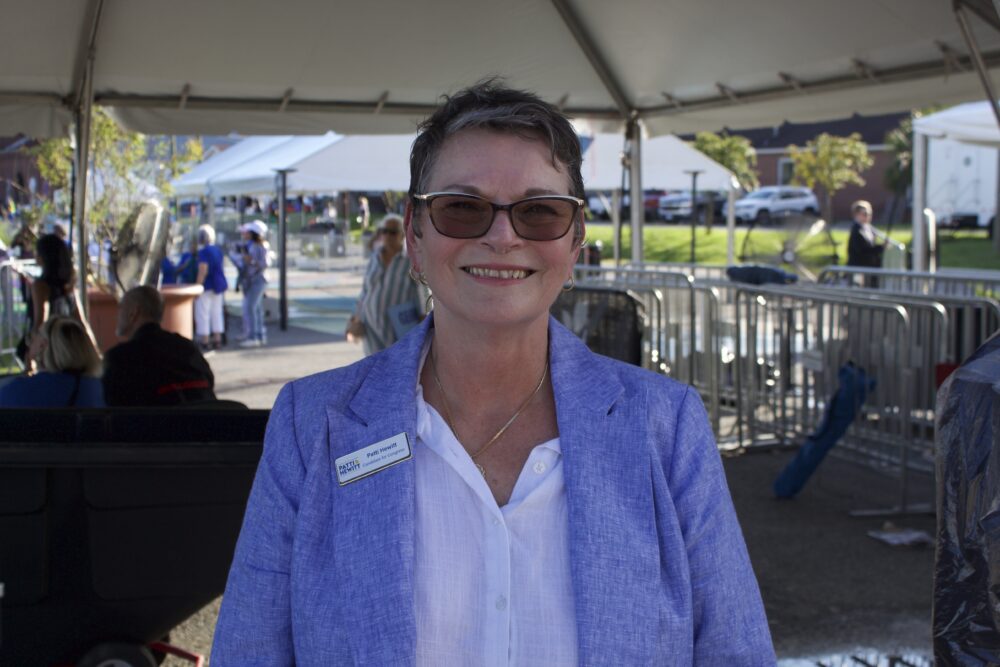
(488, 490)
(256, 259)
(153, 367)
(387, 290)
(69, 369)
(209, 316)
(862, 248)
(186, 271)
(54, 291)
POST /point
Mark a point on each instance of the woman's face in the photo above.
(462, 273)
(391, 236)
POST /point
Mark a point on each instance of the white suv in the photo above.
(774, 201)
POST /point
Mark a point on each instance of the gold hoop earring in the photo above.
(569, 287)
(429, 303)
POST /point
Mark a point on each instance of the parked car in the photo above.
(775, 201)
(677, 205)
(650, 201)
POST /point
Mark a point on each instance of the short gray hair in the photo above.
(206, 235)
(491, 105)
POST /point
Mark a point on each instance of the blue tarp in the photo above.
(848, 399)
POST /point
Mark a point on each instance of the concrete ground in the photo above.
(832, 593)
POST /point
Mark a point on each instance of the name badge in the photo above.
(373, 458)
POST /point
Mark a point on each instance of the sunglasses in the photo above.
(464, 216)
(389, 232)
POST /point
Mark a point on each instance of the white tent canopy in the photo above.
(973, 123)
(195, 182)
(308, 66)
(257, 175)
(321, 164)
(666, 163)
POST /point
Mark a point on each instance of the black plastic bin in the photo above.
(116, 524)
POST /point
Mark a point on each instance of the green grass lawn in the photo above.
(672, 243)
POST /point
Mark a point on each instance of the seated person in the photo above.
(154, 367)
(69, 365)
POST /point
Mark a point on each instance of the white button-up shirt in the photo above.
(492, 584)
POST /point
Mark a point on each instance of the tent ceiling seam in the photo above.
(595, 57)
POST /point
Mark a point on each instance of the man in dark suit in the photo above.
(154, 367)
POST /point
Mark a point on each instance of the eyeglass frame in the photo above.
(428, 198)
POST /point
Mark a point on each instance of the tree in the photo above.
(734, 153)
(830, 162)
(122, 167)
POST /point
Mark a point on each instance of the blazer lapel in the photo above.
(614, 554)
(374, 515)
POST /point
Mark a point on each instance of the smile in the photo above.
(502, 274)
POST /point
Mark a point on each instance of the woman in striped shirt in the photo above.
(389, 301)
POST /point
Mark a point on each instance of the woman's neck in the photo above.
(497, 364)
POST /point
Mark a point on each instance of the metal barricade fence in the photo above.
(697, 271)
(13, 313)
(681, 335)
(954, 283)
(790, 348)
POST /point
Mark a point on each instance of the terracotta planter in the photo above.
(178, 313)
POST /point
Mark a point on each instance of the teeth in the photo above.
(493, 273)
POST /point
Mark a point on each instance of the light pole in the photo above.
(283, 256)
(694, 204)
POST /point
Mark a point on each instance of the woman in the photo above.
(488, 491)
(389, 304)
(53, 292)
(209, 317)
(70, 367)
(256, 259)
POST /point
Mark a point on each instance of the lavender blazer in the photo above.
(323, 574)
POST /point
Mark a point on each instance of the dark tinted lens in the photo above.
(543, 219)
(460, 216)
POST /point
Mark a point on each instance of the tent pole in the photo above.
(637, 207)
(283, 235)
(919, 242)
(977, 59)
(82, 129)
(731, 222)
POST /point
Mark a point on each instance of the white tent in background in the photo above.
(667, 163)
(322, 164)
(257, 175)
(195, 182)
(972, 123)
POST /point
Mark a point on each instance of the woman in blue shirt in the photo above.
(69, 370)
(209, 319)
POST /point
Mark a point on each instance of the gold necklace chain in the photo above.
(496, 436)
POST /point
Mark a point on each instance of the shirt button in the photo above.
(496, 521)
(539, 467)
(501, 603)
